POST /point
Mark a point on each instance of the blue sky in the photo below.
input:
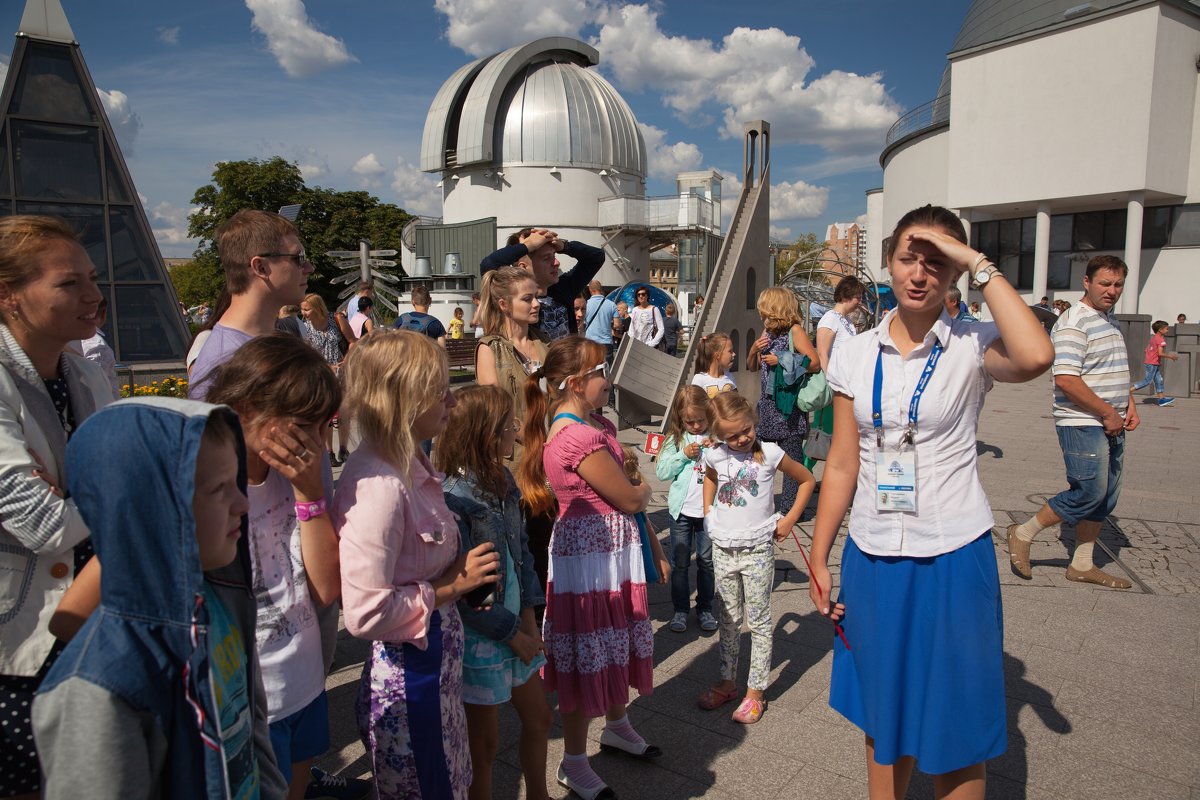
(342, 86)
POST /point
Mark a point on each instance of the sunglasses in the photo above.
(301, 257)
(601, 368)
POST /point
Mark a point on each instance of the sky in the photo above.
(342, 87)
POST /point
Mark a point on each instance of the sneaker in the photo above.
(325, 786)
(679, 622)
(1166, 401)
(707, 621)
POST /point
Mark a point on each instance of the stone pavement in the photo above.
(1101, 683)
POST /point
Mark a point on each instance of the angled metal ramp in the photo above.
(646, 379)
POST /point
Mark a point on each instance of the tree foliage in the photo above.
(329, 219)
(198, 281)
(787, 255)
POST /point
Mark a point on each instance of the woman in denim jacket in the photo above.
(503, 649)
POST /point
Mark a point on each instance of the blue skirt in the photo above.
(925, 675)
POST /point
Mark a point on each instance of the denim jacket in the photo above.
(484, 518)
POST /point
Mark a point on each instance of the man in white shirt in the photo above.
(1093, 410)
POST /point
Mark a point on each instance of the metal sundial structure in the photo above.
(361, 265)
(813, 278)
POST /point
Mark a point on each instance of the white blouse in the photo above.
(952, 509)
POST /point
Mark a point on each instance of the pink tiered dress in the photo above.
(597, 631)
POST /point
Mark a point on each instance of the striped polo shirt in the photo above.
(1089, 344)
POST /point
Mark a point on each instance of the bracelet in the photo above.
(978, 261)
(306, 511)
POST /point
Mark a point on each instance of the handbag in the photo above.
(662, 343)
(817, 441)
(813, 393)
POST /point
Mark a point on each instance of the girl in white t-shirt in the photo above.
(835, 327)
(740, 517)
(714, 358)
(285, 395)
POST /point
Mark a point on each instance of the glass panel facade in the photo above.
(118, 191)
(1114, 229)
(56, 162)
(50, 88)
(88, 221)
(1186, 230)
(1060, 271)
(1156, 227)
(1089, 232)
(132, 259)
(145, 327)
(1060, 233)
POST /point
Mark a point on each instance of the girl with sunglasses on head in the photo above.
(597, 630)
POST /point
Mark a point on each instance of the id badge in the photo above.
(896, 480)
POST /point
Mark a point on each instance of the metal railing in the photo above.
(928, 115)
(683, 212)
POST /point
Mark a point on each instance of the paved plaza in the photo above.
(1101, 683)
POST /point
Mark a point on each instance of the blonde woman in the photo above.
(780, 313)
(402, 570)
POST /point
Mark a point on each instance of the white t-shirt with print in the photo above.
(843, 329)
(743, 512)
(712, 386)
(286, 632)
(693, 501)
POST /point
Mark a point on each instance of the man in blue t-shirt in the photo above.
(420, 319)
(598, 317)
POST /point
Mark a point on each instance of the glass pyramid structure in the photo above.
(58, 156)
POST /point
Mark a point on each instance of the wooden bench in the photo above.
(461, 352)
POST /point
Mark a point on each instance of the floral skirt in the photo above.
(599, 641)
(410, 714)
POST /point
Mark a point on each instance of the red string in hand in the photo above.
(836, 626)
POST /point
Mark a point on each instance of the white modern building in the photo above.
(1063, 129)
(533, 136)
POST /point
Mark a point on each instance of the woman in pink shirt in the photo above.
(402, 571)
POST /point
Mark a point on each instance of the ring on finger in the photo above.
(303, 454)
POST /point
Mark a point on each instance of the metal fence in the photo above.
(928, 115)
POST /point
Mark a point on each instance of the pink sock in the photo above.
(580, 771)
(623, 728)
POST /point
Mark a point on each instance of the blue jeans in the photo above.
(688, 534)
(1153, 373)
(1094, 463)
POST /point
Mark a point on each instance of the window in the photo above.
(57, 162)
(1185, 232)
(751, 290)
(1060, 271)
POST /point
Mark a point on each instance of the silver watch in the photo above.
(985, 273)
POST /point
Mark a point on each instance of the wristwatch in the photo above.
(983, 273)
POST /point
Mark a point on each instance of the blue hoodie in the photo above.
(128, 708)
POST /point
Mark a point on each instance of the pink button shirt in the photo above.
(396, 537)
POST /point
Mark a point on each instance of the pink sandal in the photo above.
(715, 698)
(750, 711)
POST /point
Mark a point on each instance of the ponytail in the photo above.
(531, 474)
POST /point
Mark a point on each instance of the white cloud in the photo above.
(299, 47)
(861, 220)
(369, 170)
(750, 74)
(170, 225)
(789, 200)
(168, 35)
(416, 191)
(313, 172)
(481, 27)
(668, 160)
(3, 69)
(124, 120)
(781, 234)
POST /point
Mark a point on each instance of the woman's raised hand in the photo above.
(960, 255)
(296, 454)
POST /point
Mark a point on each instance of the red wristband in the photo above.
(306, 511)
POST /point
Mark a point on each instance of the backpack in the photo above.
(410, 322)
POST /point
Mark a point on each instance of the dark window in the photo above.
(1010, 267)
(57, 162)
(1115, 222)
(1185, 232)
(1028, 234)
(88, 222)
(147, 324)
(1025, 271)
(1060, 233)
(1010, 236)
(1156, 226)
(132, 258)
(118, 191)
(50, 88)
(751, 289)
(1089, 231)
(987, 238)
(1059, 276)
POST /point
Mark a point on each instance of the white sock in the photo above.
(1082, 559)
(580, 771)
(1029, 529)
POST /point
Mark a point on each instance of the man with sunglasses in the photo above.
(265, 268)
(537, 250)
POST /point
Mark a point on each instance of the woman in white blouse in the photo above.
(646, 322)
(835, 327)
(920, 596)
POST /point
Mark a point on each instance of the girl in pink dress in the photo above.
(596, 630)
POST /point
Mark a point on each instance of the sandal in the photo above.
(1097, 576)
(614, 743)
(1018, 554)
(750, 711)
(715, 698)
(602, 792)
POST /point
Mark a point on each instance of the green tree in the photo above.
(198, 281)
(329, 219)
(787, 255)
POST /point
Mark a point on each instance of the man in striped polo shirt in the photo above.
(1093, 410)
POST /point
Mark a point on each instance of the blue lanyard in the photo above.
(914, 404)
(567, 415)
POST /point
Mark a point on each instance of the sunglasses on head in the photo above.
(601, 368)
